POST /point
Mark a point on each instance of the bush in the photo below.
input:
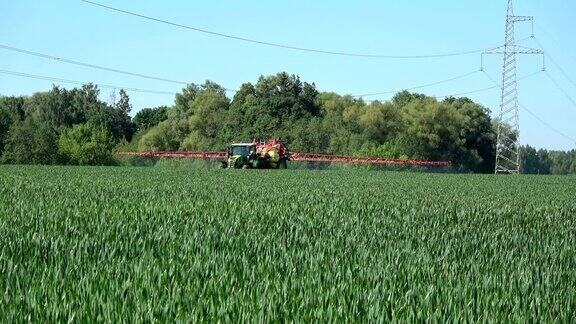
(86, 144)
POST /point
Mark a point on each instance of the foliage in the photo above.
(31, 142)
(86, 144)
(11, 111)
(432, 132)
(149, 117)
(563, 162)
(123, 103)
(166, 136)
(542, 161)
(387, 150)
(478, 136)
(31, 127)
(175, 245)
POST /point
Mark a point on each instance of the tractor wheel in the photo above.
(282, 164)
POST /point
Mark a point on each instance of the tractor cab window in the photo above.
(240, 150)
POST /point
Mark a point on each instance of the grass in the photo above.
(144, 244)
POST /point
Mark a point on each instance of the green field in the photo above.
(88, 243)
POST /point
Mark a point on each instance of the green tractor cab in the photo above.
(241, 156)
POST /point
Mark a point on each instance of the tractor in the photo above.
(272, 154)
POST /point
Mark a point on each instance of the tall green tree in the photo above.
(207, 119)
(11, 111)
(563, 162)
(479, 136)
(31, 142)
(86, 144)
(149, 117)
(196, 121)
(381, 122)
(405, 97)
(432, 130)
(533, 161)
(123, 103)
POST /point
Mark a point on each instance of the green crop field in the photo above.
(133, 244)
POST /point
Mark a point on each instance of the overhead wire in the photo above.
(102, 85)
(487, 88)
(566, 94)
(421, 86)
(554, 81)
(93, 66)
(551, 78)
(546, 53)
(466, 92)
(554, 39)
(548, 125)
(542, 121)
(539, 24)
(279, 45)
(151, 77)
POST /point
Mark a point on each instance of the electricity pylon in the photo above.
(112, 98)
(508, 143)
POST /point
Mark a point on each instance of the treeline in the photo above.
(547, 162)
(74, 127)
(63, 127)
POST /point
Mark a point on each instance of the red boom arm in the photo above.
(298, 156)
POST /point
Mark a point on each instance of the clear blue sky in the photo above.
(78, 31)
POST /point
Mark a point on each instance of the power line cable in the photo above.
(468, 92)
(180, 82)
(543, 122)
(279, 45)
(108, 86)
(519, 79)
(548, 125)
(420, 86)
(566, 94)
(539, 24)
(108, 69)
(554, 62)
(487, 88)
(64, 60)
(94, 66)
(454, 94)
(554, 39)
(102, 85)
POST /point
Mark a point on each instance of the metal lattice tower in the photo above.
(112, 98)
(507, 144)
